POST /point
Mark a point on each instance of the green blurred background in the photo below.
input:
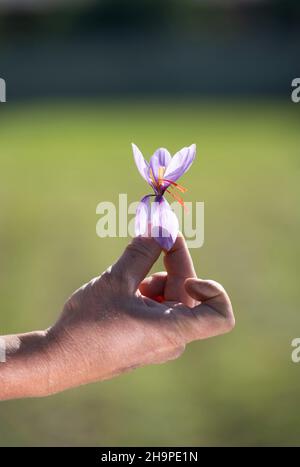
(59, 157)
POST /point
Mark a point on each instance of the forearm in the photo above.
(25, 369)
(42, 363)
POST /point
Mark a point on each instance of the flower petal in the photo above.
(180, 163)
(161, 158)
(156, 219)
(142, 165)
(143, 216)
(164, 223)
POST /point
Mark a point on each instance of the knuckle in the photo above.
(108, 280)
(113, 281)
(73, 302)
(106, 277)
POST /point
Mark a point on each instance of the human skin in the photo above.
(117, 322)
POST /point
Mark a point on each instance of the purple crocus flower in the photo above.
(154, 215)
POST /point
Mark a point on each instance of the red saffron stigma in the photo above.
(179, 200)
(176, 185)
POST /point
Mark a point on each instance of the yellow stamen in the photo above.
(161, 171)
(152, 177)
(160, 179)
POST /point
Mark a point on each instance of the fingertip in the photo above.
(179, 244)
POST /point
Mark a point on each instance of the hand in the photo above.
(120, 320)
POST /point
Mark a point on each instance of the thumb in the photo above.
(135, 263)
(212, 317)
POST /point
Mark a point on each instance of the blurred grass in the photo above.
(58, 160)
